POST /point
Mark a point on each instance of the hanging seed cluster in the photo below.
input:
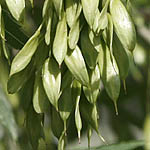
(78, 44)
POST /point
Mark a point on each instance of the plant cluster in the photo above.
(78, 44)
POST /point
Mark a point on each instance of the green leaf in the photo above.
(120, 146)
(51, 76)
(40, 100)
(6, 116)
(23, 58)
(88, 50)
(60, 41)
(15, 36)
(89, 9)
(16, 7)
(72, 60)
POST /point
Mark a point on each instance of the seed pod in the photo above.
(51, 76)
(41, 54)
(109, 33)
(92, 92)
(61, 142)
(73, 10)
(40, 100)
(121, 58)
(147, 132)
(66, 80)
(21, 77)
(60, 41)
(65, 105)
(56, 123)
(2, 38)
(109, 74)
(95, 40)
(88, 50)
(72, 60)
(89, 113)
(47, 16)
(123, 23)
(16, 8)
(101, 20)
(74, 34)
(23, 58)
(76, 92)
(89, 134)
(34, 127)
(53, 29)
(58, 4)
(89, 10)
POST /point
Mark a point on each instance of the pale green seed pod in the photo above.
(89, 52)
(76, 92)
(72, 60)
(109, 74)
(123, 23)
(51, 76)
(93, 92)
(40, 100)
(89, 134)
(73, 10)
(56, 123)
(47, 17)
(58, 4)
(121, 58)
(61, 142)
(101, 21)
(65, 105)
(89, 10)
(74, 34)
(60, 40)
(89, 113)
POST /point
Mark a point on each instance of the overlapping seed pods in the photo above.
(79, 44)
